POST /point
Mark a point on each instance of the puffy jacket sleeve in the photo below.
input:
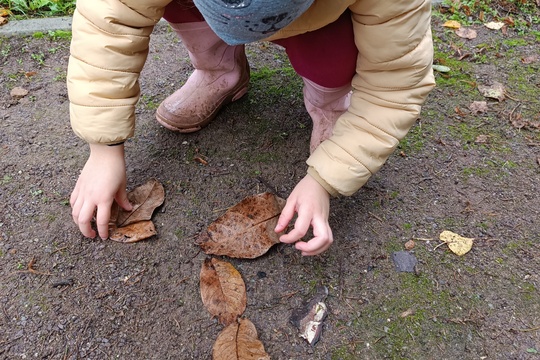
(108, 51)
(394, 77)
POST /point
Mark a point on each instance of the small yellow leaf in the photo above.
(452, 24)
(458, 244)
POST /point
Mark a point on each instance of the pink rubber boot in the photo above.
(221, 76)
(325, 106)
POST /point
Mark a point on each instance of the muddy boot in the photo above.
(221, 76)
(325, 106)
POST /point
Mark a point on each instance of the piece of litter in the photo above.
(309, 318)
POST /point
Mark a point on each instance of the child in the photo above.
(379, 49)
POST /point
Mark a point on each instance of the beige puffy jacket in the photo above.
(394, 76)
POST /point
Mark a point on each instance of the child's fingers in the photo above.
(102, 220)
(286, 216)
(83, 220)
(301, 226)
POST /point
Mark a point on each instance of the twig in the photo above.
(527, 330)
(375, 216)
(30, 269)
(126, 280)
(59, 249)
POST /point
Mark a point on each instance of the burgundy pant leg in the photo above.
(326, 56)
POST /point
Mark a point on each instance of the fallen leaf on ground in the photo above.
(410, 245)
(246, 230)
(18, 92)
(520, 123)
(309, 318)
(494, 91)
(478, 107)
(466, 33)
(481, 139)
(530, 59)
(239, 341)
(452, 24)
(406, 313)
(458, 244)
(494, 25)
(145, 199)
(223, 291)
(136, 225)
(133, 232)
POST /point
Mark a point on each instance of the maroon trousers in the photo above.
(326, 56)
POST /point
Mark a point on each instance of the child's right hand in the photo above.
(102, 180)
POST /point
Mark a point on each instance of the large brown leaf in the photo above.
(145, 199)
(239, 341)
(246, 230)
(223, 291)
(136, 225)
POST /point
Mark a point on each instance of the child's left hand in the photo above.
(312, 203)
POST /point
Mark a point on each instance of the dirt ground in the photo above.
(64, 296)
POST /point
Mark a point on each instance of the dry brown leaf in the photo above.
(246, 230)
(478, 107)
(239, 341)
(458, 244)
(494, 91)
(482, 139)
(145, 199)
(466, 33)
(406, 313)
(223, 291)
(136, 225)
(133, 232)
(530, 59)
(18, 92)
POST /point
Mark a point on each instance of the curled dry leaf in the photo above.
(458, 244)
(145, 199)
(239, 341)
(136, 225)
(246, 230)
(134, 232)
(223, 291)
